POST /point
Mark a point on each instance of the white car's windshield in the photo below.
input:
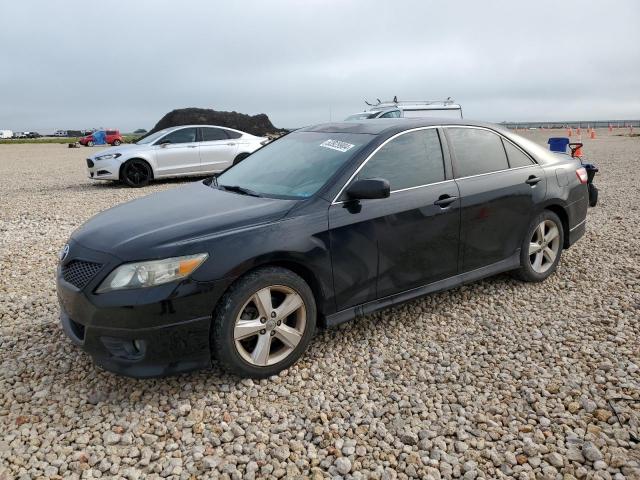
(151, 138)
(295, 166)
(362, 116)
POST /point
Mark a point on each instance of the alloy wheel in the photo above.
(544, 246)
(136, 172)
(270, 325)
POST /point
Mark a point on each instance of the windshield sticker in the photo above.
(337, 145)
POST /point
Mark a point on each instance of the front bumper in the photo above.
(103, 169)
(147, 332)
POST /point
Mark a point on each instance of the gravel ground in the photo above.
(493, 380)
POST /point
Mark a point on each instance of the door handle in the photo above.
(532, 180)
(192, 146)
(231, 144)
(445, 200)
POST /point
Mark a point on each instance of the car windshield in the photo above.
(151, 138)
(295, 166)
(362, 116)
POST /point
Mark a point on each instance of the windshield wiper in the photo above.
(239, 189)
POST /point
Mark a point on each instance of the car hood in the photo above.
(123, 149)
(175, 222)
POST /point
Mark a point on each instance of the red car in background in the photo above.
(111, 137)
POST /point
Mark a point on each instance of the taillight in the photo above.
(581, 173)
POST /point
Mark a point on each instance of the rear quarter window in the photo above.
(516, 157)
(232, 134)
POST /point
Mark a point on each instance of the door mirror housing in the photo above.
(369, 188)
(164, 143)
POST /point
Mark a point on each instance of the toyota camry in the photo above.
(322, 225)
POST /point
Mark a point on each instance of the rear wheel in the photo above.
(541, 249)
(264, 323)
(136, 173)
(240, 158)
(116, 143)
(89, 143)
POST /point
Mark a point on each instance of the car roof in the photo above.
(379, 126)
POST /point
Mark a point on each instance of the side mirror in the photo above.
(369, 188)
(164, 143)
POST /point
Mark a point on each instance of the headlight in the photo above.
(149, 274)
(108, 156)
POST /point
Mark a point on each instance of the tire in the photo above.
(241, 351)
(240, 158)
(116, 143)
(539, 262)
(89, 144)
(136, 173)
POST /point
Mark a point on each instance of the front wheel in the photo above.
(541, 248)
(89, 144)
(264, 323)
(136, 173)
(116, 143)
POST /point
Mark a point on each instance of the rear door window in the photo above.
(212, 134)
(410, 160)
(517, 158)
(476, 151)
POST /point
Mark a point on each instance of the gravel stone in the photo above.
(591, 452)
(555, 459)
(499, 379)
(343, 465)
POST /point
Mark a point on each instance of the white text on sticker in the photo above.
(337, 145)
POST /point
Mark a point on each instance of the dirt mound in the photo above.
(256, 124)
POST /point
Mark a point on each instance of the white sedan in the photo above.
(174, 152)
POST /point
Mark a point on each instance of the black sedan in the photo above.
(320, 226)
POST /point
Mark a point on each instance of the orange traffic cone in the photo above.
(578, 152)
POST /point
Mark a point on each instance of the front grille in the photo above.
(89, 163)
(79, 273)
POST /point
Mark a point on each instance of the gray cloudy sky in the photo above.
(78, 64)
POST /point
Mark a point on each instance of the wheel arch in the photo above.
(240, 156)
(560, 211)
(146, 160)
(297, 267)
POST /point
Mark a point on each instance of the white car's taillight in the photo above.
(581, 173)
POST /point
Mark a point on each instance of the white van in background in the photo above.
(6, 134)
(410, 109)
